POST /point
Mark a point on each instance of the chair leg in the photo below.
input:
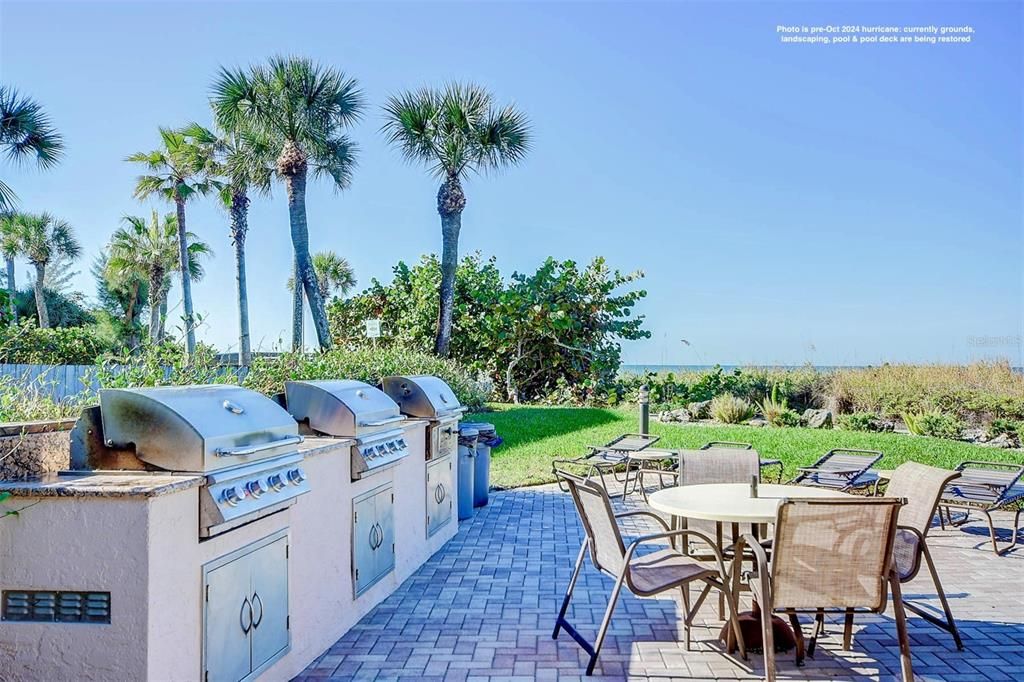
(734, 613)
(950, 624)
(906, 666)
(992, 533)
(688, 617)
(606, 621)
(560, 622)
(768, 642)
(848, 630)
(798, 633)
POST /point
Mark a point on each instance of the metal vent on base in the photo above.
(46, 606)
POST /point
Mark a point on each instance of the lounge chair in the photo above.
(985, 487)
(644, 575)
(609, 457)
(841, 469)
(765, 463)
(921, 486)
(828, 555)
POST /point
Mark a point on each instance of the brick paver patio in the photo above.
(483, 608)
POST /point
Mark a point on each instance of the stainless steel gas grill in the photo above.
(352, 409)
(429, 398)
(244, 443)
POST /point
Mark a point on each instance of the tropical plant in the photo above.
(1010, 427)
(10, 246)
(121, 294)
(730, 409)
(177, 172)
(150, 250)
(333, 274)
(860, 421)
(42, 238)
(244, 160)
(303, 108)
(456, 130)
(25, 131)
(62, 310)
(776, 410)
(28, 344)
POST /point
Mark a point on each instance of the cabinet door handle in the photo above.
(374, 544)
(246, 606)
(256, 600)
(439, 493)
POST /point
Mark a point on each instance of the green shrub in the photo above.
(1008, 426)
(933, 423)
(20, 403)
(730, 409)
(859, 421)
(28, 344)
(776, 410)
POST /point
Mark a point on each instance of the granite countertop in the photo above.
(102, 484)
(313, 446)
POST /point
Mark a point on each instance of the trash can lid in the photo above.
(468, 430)
(483, 428)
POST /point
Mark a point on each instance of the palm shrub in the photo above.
(177, 172)
(933, 423)
(776, 410)
(456, 130)
(25, 131)
(303, 108)
(859, 421)
(334, 274)
(731, 409)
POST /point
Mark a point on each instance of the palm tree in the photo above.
(455, 130)
(244, 159)
(149, 250)
(25, 130)
(44, 238)
(10, 246)
(178, 171)
(333, 274)
(303, 107)
(122, 293)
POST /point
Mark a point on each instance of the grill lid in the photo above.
(423, 396)
(197, 428)
(341, 407)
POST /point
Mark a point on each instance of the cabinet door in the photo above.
(439, 494)
(364, 543)
(269, 598)
(385, 509)
(227, 622)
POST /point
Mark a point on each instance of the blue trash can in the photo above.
(487, 438)
(466, 472)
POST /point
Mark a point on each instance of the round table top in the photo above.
(731, 502)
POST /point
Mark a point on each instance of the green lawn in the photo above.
(536, 435)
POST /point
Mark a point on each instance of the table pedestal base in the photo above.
(750, 628)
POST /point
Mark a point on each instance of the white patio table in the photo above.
(731, 503)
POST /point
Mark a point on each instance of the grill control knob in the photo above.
(232, 495)
(276, 482)
(256, 487)
(296, 476)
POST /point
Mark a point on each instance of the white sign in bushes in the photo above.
(372, 328)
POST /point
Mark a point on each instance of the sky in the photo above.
(788, 203)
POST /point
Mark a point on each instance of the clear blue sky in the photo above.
(788, 203)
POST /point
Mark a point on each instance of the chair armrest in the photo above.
(654, 516)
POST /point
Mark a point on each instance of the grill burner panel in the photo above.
(235, 494)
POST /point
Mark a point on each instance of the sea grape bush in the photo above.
(552, 335)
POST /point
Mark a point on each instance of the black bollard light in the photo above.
(645, 410)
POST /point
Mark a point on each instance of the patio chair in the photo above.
(841, 469)
(609, 457)
(985, 487)
(765, 463)
(644, 575)
(829, 555)
(922, 486)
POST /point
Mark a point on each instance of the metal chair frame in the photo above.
(623, 577)
(995, 494)
(851, 478)
(765, 463)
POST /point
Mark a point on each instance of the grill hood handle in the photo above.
(253, 449)
(382, 422)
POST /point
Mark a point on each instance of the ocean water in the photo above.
(641, 369)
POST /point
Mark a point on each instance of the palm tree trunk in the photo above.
(450, 202)
(293, 160)
(44, 315)
(11, 291)
(186, 280)
(298, 299)
(239, 227)
(129, 317)
(165, 291)
(156, 280)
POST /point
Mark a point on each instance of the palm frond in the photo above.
(26, 130)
